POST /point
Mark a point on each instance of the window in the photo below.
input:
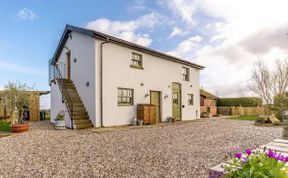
(125, 97)
(190, 99)
(185, 73)
(175, 98)
(137, 61)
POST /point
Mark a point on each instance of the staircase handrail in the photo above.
(65, 95)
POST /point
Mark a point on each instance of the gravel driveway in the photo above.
(174, 150)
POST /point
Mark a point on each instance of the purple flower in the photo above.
(248, 152)
(238, 155)
(286, 159)
(281, 158)
(271, 154)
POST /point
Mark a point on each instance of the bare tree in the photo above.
(261, 82)
(271, 85)
(279, 79)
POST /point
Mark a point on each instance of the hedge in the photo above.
(243, 101)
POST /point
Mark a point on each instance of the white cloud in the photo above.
(178, 32)
(128, 30)
(136, 5)
(26, 14)
(237, 33)
(22, 69)
(186, 47)
(185, 9)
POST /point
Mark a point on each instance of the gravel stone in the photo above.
(174, 150)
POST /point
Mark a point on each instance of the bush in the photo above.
(243, 101)
(4, 126)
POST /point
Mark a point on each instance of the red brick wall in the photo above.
(208, 104)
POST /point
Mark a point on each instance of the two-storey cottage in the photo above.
(98, 80)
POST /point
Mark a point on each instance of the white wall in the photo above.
(158, 74)
(57, 105)
(82, 48)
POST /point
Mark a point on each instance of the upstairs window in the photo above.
(190, 99)
(185, 73)
(137, 61)
(125, 97)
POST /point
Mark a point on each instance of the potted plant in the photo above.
(60, 120)
(17, 97)
(140, 122)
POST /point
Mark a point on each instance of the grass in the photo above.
(4, 126)
(244, 118)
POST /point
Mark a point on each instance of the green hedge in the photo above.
(243, 101)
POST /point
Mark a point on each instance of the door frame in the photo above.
(68, 67)
(160, 102)
(180, 98)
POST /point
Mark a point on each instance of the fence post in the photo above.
(285, 125)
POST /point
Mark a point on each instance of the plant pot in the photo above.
(134, 122)
(170, 119)
(18, 128)
(60, 124)
(140, 122)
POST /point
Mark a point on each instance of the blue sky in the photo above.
(226, 36)
(27, 43)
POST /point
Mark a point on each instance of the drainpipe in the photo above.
(101, 81)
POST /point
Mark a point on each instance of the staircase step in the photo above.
(70, 90)
(82, 121)
(83, 126)
(79, 109)
(79, 113)
(76, 105)
(80, 117)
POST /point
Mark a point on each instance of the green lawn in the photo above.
(244, 118)
(4, 126)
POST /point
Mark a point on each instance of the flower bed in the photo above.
(266, 163)
(257, 164)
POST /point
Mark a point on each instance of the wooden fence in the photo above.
(244, 111)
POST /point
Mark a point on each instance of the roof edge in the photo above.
(103, 36)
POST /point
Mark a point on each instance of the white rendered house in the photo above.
(99, 79)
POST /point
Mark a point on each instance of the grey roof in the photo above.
(103, 36)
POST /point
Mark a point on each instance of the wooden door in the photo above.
(155, 100)
(68, 64)
(176, 101)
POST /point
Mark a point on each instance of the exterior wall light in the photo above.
(146, 95)
(75, 60)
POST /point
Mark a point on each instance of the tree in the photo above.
(16, 97)
(271, 85)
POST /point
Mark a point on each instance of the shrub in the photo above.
(243, 101)
(4, 126)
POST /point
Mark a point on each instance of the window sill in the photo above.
(136, 67)
(123, 104)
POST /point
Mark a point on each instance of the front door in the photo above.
(176, 101)
(155, 100)
(68, 64)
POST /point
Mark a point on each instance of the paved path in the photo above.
(175, 150)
